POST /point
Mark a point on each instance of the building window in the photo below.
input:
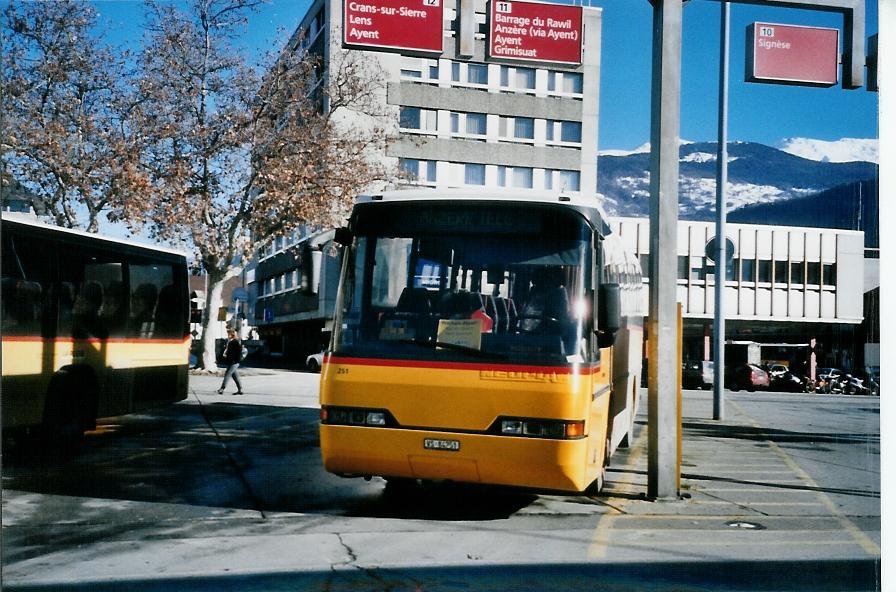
(796, 273)
(419, 69)
(780, 272)
(565, 82)
(813, 273)
(569, 180)
(548, 179)
(517, 78)
(829, 274)
(522, 177)
(415, 118)
(747, 269)
(477, 73)
(476, 123)
(571, 131)
(474, 174)
(469, 73)
(419, 170)
(524, 128)
(764, 271)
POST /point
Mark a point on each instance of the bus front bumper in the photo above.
(476, 458)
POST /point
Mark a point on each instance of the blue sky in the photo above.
(763, 113)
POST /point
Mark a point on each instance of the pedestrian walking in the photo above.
(232, 355)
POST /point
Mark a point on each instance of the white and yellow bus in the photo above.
(91, 327)
(482, 338)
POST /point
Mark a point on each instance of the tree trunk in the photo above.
(213, 302)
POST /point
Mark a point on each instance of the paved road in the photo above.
(224, 492)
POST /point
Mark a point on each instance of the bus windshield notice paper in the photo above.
(535, 31)
(790, 54)
(407, 25)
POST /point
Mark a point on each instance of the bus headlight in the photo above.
(542, 428)
(355, 416)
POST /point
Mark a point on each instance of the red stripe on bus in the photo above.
(460, 365)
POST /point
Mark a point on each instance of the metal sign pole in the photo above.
(721, 256)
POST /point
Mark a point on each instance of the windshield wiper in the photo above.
(454, 346)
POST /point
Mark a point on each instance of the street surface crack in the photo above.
(257, 505)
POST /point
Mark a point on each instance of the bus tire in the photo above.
(70, 408)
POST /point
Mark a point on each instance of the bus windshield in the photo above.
(431, 282)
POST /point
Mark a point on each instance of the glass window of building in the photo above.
(780, 268)
(524, 128)
(455, 71)
(571, 82)
(796, 273)
(474, 174)
(477, 73)
(747, 270)
(522, 177)
(525, 78)
(571, 131)
(409, 117)
(813, 273)
(764, 271)
(569, 180)
(829, 274)
(476, 123)
(548, 179)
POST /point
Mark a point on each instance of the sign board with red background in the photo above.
(535, 31)
(407, 25)
(789, 54)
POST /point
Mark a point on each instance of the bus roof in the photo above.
(590, 207)
(28, 220)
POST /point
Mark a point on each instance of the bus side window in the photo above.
(86, 312)
(154, 308)
(66, 309)
(22, 307)
(143, 306)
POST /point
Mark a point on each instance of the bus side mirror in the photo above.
(608, 315)
(343, 236)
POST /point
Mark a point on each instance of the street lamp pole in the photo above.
(721, 256)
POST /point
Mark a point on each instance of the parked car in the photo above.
(697, 374)
(749, 377)
(314, 362)
(776, 371)
(789, 382)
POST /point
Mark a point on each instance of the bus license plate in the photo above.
(436, 444)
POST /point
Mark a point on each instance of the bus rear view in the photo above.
(465, 347)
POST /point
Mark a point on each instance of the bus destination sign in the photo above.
(406, 25)
(790, 54)
(535, 31)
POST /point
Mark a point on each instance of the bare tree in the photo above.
(65, 133)
(238, 155)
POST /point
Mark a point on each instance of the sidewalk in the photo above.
(742, 498)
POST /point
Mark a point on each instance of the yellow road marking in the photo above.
(600, 542)
(860, 537)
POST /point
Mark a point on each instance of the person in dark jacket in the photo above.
(232, 353)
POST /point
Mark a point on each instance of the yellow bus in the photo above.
(482, 338)
(91, 327)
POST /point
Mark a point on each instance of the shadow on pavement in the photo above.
(235, 456)
(816, 576)
(698, 429)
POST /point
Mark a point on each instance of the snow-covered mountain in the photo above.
(843, 150)
(756, 174)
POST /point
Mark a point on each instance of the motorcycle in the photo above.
(789, 382)
(845, 384)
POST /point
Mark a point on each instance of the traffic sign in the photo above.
(789, 54)
(710, 249)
